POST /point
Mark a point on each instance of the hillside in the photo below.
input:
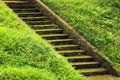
(96, 20)
(24, 55)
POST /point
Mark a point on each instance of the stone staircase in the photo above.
(61, 42)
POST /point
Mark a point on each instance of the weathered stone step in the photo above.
(64, 41)
(46, 30)
(79, 57)
(68, 53)
(54, 35)
(93, 71)
(82, 58)
(32, 14)
(49, 31)
(65, 46)
(23, 7)
(81, 65)
(74, 54)
(16, 1)
(71, 51)
(45, 26)
(19, 6)
(26, 10)
(34, 18)
(38, 22)
(60, 40)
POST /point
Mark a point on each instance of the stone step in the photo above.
(20, 6)
(54, 35)
(71, 51)
(93, 71)
(45, 26)
(26, 10)
(68, 53)
(60, 40)
(34, 18)
(84, 63)
(78, 58)
(64, 41)
(16, 1)
(81, 65)
(49, 31)
(38, 22)
(46, 30)
(65, 46)
(32, 14)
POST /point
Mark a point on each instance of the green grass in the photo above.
(25, 73)
(24, 55)
(97, 20)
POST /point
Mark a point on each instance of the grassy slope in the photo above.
(97, 20)
(24, 55)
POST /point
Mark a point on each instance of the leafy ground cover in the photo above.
(97, 20)
(24, 55)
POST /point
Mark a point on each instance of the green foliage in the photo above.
(24, 55)
(25, 73)
(97, 20)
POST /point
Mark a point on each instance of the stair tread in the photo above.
(54, 35)
(16, 1)
(85, 63)
(42, 30)
(30, 13)
(26, 9)
(60, 40)
(32, 17)
(44, 25)
(19, 6)
(92, 70)
(60, 46)
(36, 21)
(70, 51)
(79, 57)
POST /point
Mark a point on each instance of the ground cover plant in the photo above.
(24, 55)
(97, 20)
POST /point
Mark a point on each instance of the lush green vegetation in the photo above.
(25, 73)
(26, 56)
(97, 20)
